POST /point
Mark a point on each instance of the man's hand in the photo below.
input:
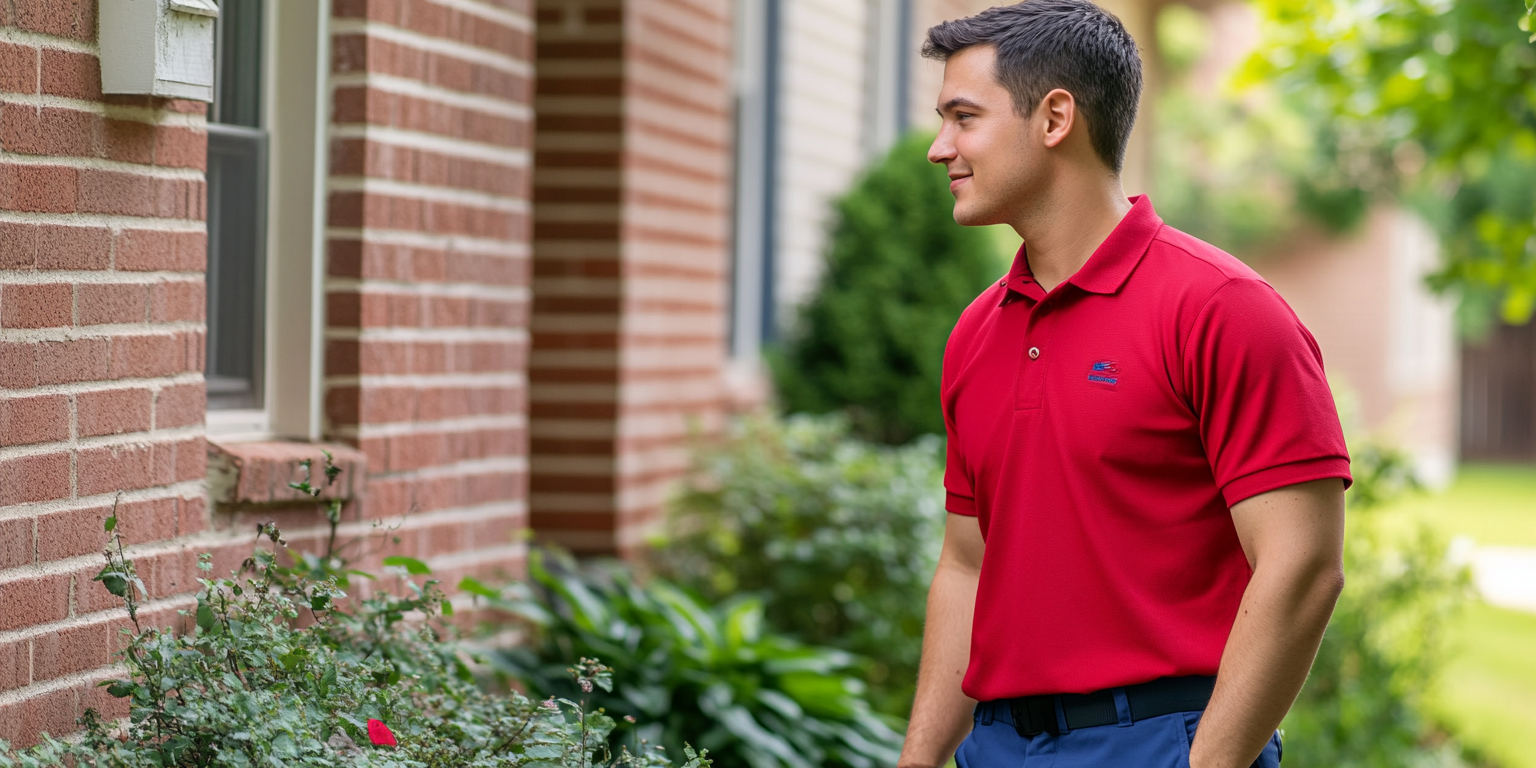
(941, 713)
(1294, 539)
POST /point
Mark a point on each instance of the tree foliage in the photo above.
(899, 271)
(1437, 98)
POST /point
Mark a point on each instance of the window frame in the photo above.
(295, 102)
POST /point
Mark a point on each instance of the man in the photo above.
(1146, 471)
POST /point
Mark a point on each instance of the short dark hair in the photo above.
(1046, 44)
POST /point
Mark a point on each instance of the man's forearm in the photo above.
(1273, 643)
(941, 713)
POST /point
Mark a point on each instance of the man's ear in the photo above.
(1060, 112)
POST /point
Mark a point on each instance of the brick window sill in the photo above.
(258, 473)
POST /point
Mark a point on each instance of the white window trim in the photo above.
(296, 106)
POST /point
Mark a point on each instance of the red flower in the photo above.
(379, 734)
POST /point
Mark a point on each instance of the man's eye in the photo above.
(963, 116)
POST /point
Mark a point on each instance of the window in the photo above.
(237, 180)
(267, 133)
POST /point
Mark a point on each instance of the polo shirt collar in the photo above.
(1111, 263)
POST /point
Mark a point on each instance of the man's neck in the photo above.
(1064, 231)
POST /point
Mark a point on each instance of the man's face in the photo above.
(993, 166)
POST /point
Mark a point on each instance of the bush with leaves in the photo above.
(373, 686)
(899, 271)
(1362, 705)
(755, 698)
(839, 538)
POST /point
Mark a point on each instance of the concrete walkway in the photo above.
(1506, 576)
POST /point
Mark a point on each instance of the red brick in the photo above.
(32, 600)
(74, 19)
(46, 305)
(15, 546)
(128, 141)
(117, 468)
(180, 405)
(18, 368)
(179, 199)
(104, 303)
(67, 362)
(15, 664)
(180, 300)
(191, 516)
(18, 68)
(153, 250)
(40, 188)
(71, 650)
(66, 247)
(90, 596)
(179, 147)
(148, 356)
(190, 459)
(140, 522)
(18, 246)
(48, 131)
(71, 74)
(113, 411)
(115, 192)
(24, 720)
(29, 420)
(26, 479)
(71, 532)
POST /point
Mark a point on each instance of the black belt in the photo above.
(1033, 715)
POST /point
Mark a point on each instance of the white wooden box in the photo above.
(158, 47)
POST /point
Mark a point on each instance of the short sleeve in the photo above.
(1255, 378)
(959, 495)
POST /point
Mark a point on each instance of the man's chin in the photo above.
(968, 216)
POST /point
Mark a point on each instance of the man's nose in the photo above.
(942, 150)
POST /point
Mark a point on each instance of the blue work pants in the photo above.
(1156, 742)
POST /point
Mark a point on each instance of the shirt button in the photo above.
(1034, 353)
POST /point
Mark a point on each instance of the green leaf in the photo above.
(447, 607)
(475, 587)
(111, 523)
(410, 564)
(205, 618)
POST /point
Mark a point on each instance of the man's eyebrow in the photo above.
(958, 101)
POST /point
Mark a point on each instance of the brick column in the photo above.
(102, 250)
(427, 312)
(631, 220)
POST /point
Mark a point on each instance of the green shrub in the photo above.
(757, 698)
(837, 537)
(246, 686)
(899, 270)
(1362, 706)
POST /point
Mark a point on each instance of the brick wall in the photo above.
(427, 294)
(631, 218)
(101, 344)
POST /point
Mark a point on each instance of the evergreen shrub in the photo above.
(898, 272)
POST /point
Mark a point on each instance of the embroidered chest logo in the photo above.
(1105, 373)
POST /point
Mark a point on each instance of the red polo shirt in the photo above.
(1100, 433)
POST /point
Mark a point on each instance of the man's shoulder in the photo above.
(1194, 262)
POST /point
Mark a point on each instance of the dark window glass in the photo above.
(237, 180)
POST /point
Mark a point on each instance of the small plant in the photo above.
(756, 698)
(842, 537)
(378, 685)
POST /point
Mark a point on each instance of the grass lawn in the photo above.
(1488, 692)
(1494, 504)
